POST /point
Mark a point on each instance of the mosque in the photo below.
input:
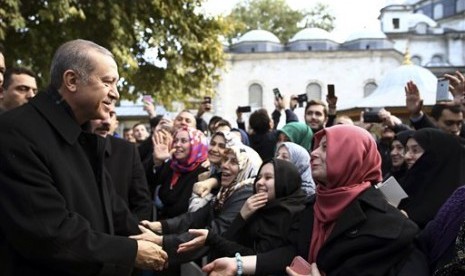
(416, 40)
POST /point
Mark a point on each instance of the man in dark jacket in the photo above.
(125, 167)
(59, 214)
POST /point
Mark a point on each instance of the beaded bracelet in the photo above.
(239, 264)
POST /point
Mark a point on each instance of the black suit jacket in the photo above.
(59, 215)
(125, 167)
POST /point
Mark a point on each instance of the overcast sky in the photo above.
(350, 16)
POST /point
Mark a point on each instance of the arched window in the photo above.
(369, 88)
(314, 91)
(438, 11)
(437, 60)
(460, 6)
(416, 60)
(255, 95)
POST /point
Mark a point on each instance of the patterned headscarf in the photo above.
(246, 175)
(197, 154)
(300, 157)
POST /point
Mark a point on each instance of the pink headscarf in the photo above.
(353, 165)
(197, 154)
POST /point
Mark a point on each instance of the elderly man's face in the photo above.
(94, 98)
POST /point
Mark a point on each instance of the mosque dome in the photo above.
(311, 34)
(366, 34)
(258, 35)
(390, 92)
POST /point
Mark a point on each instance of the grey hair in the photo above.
(74, 55)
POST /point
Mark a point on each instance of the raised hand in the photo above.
(162, 141)
(413, 99)
(252, 204)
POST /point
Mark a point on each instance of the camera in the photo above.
(371, 115)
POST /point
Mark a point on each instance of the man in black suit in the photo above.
(125, 167)
(59, 214)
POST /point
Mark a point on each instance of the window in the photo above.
(255, 95)
(416, 60)
(437, 60)
(369, 88)
(395, 23)
(421, 28)
(438, 11)
(314, 91)
(460, 6)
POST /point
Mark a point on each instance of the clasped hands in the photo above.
(150, 254)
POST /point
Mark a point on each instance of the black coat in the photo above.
(175, 199)
(58, 213)
(125, 167)
(370, 238)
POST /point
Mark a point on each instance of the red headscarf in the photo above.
(197, 154)
(353, 163)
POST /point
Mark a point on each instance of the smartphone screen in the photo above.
(442, 90)
(331, 92)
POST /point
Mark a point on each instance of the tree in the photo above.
(319, 17)
(168, 49)
(277, 17)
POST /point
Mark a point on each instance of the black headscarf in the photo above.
(274, 220)
(399, 173)
(434, 176)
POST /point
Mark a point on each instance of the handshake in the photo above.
(150, 255)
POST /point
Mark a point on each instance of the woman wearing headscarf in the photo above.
(436, 169)
(238, 175)
(300, 157)
(176, 176)
(398, 165)
(443, 239)
(266, 218)
(350, 229)
(297, 132)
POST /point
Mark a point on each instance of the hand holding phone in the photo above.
(301, 266)
(442, 90)
(244, 109)
(331, 91)
(147, 98)
(277, 94)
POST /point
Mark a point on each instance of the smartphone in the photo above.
(371, 115)
(392, 191)
(331, 92)
(147, 98)
(442, 90)
(277, 94)
(301, 99)
(301, 266)
(207, 99)
(244, 109)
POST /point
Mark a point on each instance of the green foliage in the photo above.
(319, 17)
(277, 17)
(164, 48)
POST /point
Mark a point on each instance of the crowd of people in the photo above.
(278, 197)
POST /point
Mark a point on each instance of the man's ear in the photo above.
(70, 80)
